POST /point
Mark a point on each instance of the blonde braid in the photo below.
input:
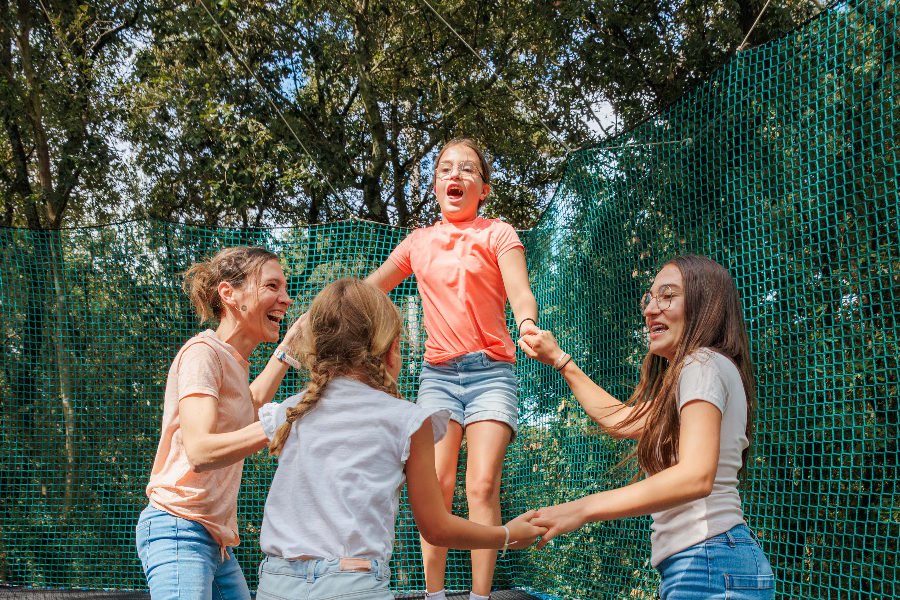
(378, 376)
(319, 379)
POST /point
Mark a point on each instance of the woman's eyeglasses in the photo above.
(467, 170)
(663, 298)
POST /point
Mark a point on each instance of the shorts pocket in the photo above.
(749, 587)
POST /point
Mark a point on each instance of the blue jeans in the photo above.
(182, 561)
(473, 387)
(728, 566)
(320, 579)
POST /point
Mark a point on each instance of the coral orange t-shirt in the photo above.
(208, 366)
(463, 296)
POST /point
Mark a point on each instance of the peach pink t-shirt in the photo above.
(463, 296)
(205, 365)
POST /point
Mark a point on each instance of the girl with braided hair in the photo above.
(345, 446)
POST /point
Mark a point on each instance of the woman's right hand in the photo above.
(522, 533)
(294, 332)
(541, 347)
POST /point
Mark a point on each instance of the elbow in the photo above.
(435, 536)
(200, 462)
(701, 485)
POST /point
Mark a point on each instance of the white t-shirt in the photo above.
(337, 488)
(711, 377)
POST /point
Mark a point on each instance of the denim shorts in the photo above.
(321, 579)
(182, 561)
(473, 387)
(729, 566)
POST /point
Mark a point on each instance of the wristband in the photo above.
(519, 326)
(559, 360)
(562, 366)
(282, 355)
(505, 543)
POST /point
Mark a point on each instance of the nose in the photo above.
(652, 307)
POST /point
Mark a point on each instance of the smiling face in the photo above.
(460, 196)
(267, 301)
(665, 327)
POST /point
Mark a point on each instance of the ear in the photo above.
(226, 293)
(485, 190)
(392, 354)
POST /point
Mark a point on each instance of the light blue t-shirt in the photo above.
(336, 492)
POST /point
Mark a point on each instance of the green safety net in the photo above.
(783, 166)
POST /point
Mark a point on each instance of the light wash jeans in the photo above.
(320, 579)
(728, 566)
(182, 561)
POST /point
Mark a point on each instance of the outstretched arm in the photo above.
(690, 479)
(515, 279)
(600, 406)
(207, 450)
(439, 527)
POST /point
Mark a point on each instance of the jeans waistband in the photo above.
(317, 567)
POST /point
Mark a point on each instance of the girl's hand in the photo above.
(540, 346)
(558, 520)
(529, 328)
(523, 532)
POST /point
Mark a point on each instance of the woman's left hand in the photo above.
(295, 331)
(558, 519)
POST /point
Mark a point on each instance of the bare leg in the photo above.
(486, 442)
(446, 457)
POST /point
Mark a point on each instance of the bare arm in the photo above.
(515, 279)
(439, 527)
(207, 450)
(692, 478)
(387, 276)
(263, 388)
(600, 406)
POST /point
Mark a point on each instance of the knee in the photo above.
(447, 481)
(482, 491)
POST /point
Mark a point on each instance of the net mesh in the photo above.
(782, 166)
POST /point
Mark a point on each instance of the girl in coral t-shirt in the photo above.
(466, 267)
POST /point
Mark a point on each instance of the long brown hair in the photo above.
(234, 265)
(714, 319)
(349, 330)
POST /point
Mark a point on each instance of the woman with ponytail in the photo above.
(184, 537)
(345, 446)
(692, 414)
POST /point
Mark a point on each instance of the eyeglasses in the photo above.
(467, 170)
(663, 298)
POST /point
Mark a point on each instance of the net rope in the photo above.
(790, 181)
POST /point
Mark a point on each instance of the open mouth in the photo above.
(657, 330)
(455, 192)
(275, 317)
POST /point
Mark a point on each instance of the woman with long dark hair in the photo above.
(692, 414)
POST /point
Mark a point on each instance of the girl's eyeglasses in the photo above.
(663, 298)
(467, 170)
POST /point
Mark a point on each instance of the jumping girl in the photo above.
(466, 267)
(345, 446)
(691, 413)
(184, 537)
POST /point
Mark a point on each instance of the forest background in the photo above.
(113, 110)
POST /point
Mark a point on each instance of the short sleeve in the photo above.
(401, 255)
(273, 414)
(440, 420)
(701, 379)
(505, 238)
(199, 371)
